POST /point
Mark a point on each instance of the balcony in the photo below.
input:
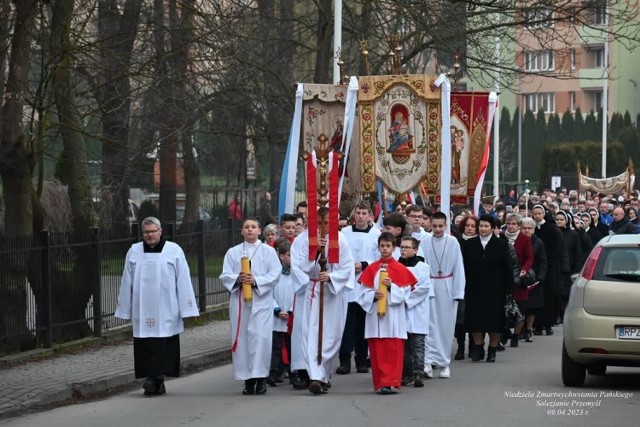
(592, 36)
(591, 78)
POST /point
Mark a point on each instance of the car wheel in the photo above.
(597, 369)
(573, 374)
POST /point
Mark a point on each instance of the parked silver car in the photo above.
(602, 318)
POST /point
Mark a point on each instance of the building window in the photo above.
(531, 61)
(572, 101)
(599, 15)
(548, 60)
(597, 101)
(538, 18)
(572, 57)
(598, 58)
(542, 60)
(541, 101)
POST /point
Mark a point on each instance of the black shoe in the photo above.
(345, 364)
(491, 354)
(362, 369)
(527, 336)
(261, 386)
(154, 387)
(504, 338)
(459, 354)
(406, 381)
(325, 387)
(315, 387)
(514, 340)
(271, 381)
(537, 331)
(548, 330)
(343, 370)
(301, 384)
(500, 347)
(249, 387)
(477, 353)
(418, 381)
(385, 391)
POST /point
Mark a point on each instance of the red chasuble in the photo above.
(398, 273)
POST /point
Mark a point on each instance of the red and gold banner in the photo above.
(469, 114)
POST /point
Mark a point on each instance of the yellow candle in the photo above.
(382, 302)
(245, 267)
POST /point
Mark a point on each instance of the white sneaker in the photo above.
(428, 370)
(445, 372)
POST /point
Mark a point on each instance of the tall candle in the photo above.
(382, 302)
(245, 267)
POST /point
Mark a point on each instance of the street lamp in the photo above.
(634, 82)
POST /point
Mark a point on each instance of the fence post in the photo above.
(168, 231)
(46, 283)
(97, 282)
(202, 272)
(135, 233)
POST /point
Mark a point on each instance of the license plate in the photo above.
(629, 332)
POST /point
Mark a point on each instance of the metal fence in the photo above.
(57, 287)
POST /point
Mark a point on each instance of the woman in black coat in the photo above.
(557, 265)
(489, 278)
(536, 295)
(572, 242)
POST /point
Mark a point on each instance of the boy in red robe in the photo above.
(386, 333)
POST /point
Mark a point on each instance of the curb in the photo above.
(102, 387)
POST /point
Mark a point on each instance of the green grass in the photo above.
(213, 266)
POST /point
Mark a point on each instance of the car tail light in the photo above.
(590, 266)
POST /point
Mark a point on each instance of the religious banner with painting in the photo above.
(611, 185)
(469, 113)
(323, 111)
(399, 132)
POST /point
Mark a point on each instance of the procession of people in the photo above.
(385, 295)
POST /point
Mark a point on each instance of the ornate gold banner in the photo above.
(399, 132)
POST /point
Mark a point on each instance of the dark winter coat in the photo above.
(489, 277)
(536, 295)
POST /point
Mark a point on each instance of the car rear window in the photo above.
(618, 264)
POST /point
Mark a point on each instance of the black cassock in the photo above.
(489, 277)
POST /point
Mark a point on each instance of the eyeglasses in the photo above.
(406, 248)
(150, 231)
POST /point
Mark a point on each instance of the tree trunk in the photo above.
(67, 309)
(16, 167)
(117, 33)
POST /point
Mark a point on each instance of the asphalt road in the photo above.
(523, 388)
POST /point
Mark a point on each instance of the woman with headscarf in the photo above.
(632, 213)
(564, 220)
(591, 231)
(558, 264)
(579, 226)
(602, 227)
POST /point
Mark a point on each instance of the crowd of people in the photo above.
(394, 298)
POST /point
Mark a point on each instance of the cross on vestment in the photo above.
(150, 322)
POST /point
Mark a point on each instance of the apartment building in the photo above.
(564, 59)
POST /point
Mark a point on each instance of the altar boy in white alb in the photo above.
(442, 253)
(252, 321)
(156, 294)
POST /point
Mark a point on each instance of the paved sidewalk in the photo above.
(97, 372)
